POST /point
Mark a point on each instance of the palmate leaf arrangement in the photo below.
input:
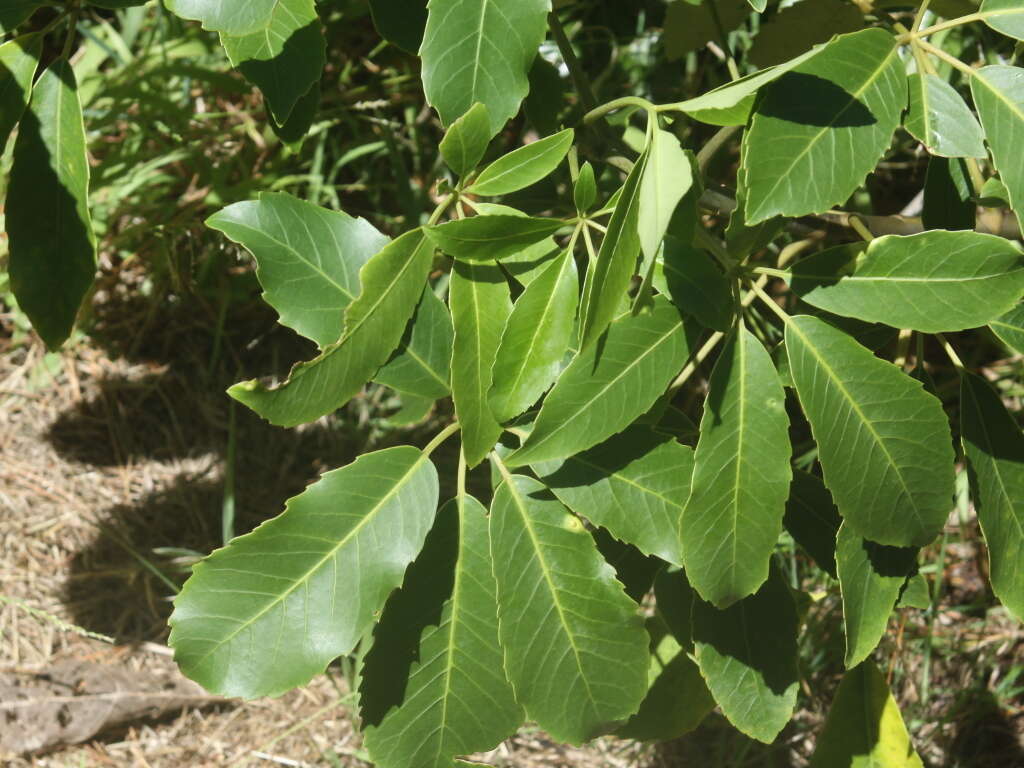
(487, 612)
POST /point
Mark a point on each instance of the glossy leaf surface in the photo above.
(51, 242)
(823, 126)
(307, 258)
(232, 17)
(480, 304)
(883, 442)
(480, 51)
(274, 607)
(668, 175)
(741, 475)
(940, 120)
(999, 98)
(392, 282)
(569, 631)
(1006, 16)
(433, 684)
(524, 166)
(535, 340)
(931, 282)
(634, 485)
(607, 386)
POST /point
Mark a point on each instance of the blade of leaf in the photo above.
(568, 630)
(19, 59)
(491, 238)
(813, 520)
(748, 657)
(465, 142)
(634, 484)
(864, 726)
(1010, 328)
(741, 476)
(392, 282)
(436, 687)
(940, 120)
(535, 340)
(1006, 16)
(607, 385)
(480, 302)
(421, 365)
(232, 17)
(821, 128)
(994, 448)
(667, 176)
(273, 608)
(870, 578)
(480, 51)
(999, 98)
(524, 166)
(883, 442)
(51, 242)
(932, 282)
(307, 258)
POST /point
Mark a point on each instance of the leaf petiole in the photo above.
(440, 437)
(772, 304)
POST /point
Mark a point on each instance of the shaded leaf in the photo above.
(696, 286)
(421, 365)
(400, 22)
(465, 142)
(568, 630)
(812, 519)
(822, 127)
(948, 195)
(585, 189)
(607, 385)
(741, 475)
(688, 26)
(535, 339)
(634, 484)
(51, 242)
(870, 577)
(433, 683)
(796, 28)
(19, 59)
(1010, 328)
(307, 258)
(748, 657)
(275, 606)
(883, 442)
(994, 448)
(931, 282)
(480, 302)
(667, 176)
(480, 51)
(490, 238)
(392, 282)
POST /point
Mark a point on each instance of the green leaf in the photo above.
(994, 448)
(748, 657)
(948, 195)
(940, 120)
(741, 475)
(524, 166)
(585, 190)
(667, 176)
(464, 144)
(293, 130)
(689, 26)
(544, 104)
(999, 98)
(796, 28)
(16, 12)
(535, 340)
(883, 442)
(608, 385)
(932, 282)
(634, 569)
(400, 22)
(421, 365)
(392, 282)
(870, 578)
(19, 59)
(864, 728)
(812, 519)
(993, 194)
(433, 682)
(609, 276)
(274, 607)
(480, 302)
(731, 104)
(232, 17)
(51, 242)
(677, 699)
(569, 631)
(307, 258)
(490, 238)
(696, 286)
(915, 593)
(480, 50)
(1010, 328)
(822, 127)
(1006, 16)
(284, 58)
(634, 484)
(674, 598)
